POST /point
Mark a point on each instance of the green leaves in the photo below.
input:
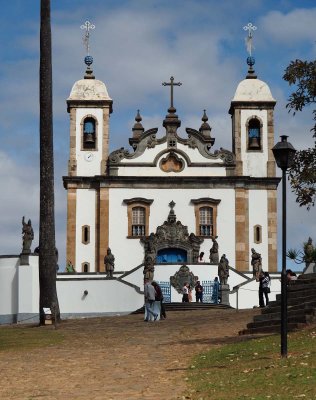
(303, 173)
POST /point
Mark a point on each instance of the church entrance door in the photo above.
(171, 255)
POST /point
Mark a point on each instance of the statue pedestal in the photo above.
(224, 292)
(24, 257)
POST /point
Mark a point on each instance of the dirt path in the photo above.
(118, 357)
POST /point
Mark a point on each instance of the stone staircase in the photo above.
(187, 307)
(301, 301)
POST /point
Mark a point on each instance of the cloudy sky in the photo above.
(136, 45)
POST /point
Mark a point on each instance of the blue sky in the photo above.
(136, 45)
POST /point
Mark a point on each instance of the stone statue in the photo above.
(256, 262)
(149, 269)
(309, 252)
(70, 267)
(223, 270)
(214, 258)
(27, 235)
(109, 263)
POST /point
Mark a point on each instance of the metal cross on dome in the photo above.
(171, 84)
(250, 28)
(87, 26)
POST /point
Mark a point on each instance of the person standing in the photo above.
(264, 283)
(159, 297)
(215, 293)
(185, 293)
(149, 295)
(266, 286)
(198, 292)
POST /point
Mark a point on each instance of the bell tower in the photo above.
(252, 109)
(252, 122)
(89, 106)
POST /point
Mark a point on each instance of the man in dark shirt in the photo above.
(198, 292)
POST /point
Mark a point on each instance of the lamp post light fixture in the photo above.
(284, 154)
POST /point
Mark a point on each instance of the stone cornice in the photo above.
(172, 182)
(251, 105)
(90, 104)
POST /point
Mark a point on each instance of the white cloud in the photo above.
(291, 28)
(136, 47)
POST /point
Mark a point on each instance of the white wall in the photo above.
(104, 296)
(8, 286)
(85, 215)
(19, 290)
(133, 254)
(258, 215)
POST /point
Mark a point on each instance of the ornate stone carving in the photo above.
(172, 234)
(182, 276)
(172, 163)
(256, 262)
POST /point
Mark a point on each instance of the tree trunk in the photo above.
(47, 247)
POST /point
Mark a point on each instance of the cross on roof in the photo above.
(87, 26)
(250, 28)
(171, 84)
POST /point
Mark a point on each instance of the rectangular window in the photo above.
(206, 221)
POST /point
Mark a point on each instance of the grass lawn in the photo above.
(254, 370)
(24, 338)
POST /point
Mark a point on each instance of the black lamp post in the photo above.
(284, 156)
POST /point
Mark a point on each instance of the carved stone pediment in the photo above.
(172, 163)
(172, 234)
(182, 276)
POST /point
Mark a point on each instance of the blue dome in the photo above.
(88, 60)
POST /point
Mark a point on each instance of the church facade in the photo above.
(167, 199)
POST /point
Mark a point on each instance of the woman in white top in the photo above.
(185, 292)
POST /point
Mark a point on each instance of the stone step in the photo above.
(271, 329)
(301, 318)
(291, 313)
(300, 294)
(298, 286)
(311, 276)
(275, 307)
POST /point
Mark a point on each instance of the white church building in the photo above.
(158, 204)
(116, 200)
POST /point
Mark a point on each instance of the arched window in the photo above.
(257, 233)
(85, 267)
(254, 134)
(138, 221)
(89, 133)
(206, 221)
